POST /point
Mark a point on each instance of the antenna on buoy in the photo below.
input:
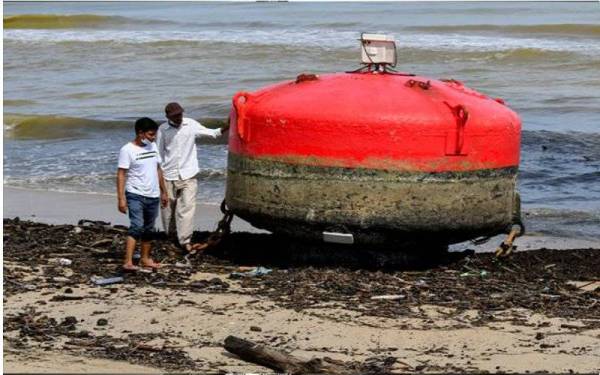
(378, 51)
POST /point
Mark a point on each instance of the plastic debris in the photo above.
(155, 345)
(107, 281)
(482, 273)
(187, 262)
(257, 271)
(105, 241)
(65, 262)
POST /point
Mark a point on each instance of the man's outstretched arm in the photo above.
(203, 131)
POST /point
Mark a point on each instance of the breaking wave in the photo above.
(586, 30)
(54, 127)
(19, 126)
(89, 182)
(553, 213)
(53, 21)
(17, 102)
(208, 174)
(291, 39)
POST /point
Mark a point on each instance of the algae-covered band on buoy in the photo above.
(374, 156)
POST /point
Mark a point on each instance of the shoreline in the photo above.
(57, 208)
(52, 207)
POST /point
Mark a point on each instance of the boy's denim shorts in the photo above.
(142, 215)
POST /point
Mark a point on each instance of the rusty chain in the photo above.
(223, 229)
(507, 247)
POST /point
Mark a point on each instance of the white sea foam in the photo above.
(327, 39)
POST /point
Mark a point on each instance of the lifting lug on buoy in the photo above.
(421, 84)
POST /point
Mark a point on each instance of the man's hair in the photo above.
(145, 124)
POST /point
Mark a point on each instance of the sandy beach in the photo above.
(197, 324)
(481, 100)
(509, 318)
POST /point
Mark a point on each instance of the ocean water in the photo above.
(76, 75)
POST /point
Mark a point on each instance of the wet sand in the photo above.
(537, 311)
(68, 208)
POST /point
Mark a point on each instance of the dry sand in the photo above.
(44, 362)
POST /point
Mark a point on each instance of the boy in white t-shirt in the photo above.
(140, 189)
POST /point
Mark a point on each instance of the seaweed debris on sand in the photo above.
(537, 293)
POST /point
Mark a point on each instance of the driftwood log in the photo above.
(281, 361)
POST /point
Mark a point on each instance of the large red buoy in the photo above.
(374, 156)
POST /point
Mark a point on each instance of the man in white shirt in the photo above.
(176, 141)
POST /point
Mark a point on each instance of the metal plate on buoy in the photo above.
(334, 237)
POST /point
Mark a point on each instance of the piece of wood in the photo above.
(66, 297)
(281, 361)
(105, 241)
(80, 342)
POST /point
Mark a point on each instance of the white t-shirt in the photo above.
(142, 163)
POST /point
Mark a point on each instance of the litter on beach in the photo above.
(107, 281)
(482, 273)
(65, 262)
(257, 271)
(390, 297)
(346, 282)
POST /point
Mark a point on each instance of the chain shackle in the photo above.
(223, 227)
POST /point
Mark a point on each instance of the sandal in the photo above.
(129, 269)
(153, 266)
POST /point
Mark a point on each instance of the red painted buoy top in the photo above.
(377, 121)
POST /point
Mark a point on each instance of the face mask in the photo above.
(146, 142)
